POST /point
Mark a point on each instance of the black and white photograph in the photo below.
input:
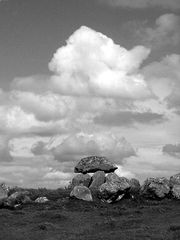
(89, 119)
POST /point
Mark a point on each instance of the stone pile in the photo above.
(104, 184)
(16, 199)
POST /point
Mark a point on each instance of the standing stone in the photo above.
(81, 179)
(97, 180)
(93, 164)
(3, 193)
(81, 192)
(113, 187)
(156, 188)
(175, 186)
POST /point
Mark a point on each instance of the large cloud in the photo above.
(76, 146)
(174, 4)
(92, 64)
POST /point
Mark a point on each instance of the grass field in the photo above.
(63, 218)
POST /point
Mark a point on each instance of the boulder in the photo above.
(155, 188)
(41, 200)
(93, 164)
(121, 182)
(81, 192)
(81, 179)
(17, 198)
(98, 179)
(175, 186)
(113, 187)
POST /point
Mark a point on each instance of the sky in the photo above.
(81, 78)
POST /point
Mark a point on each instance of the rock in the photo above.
(81, 192)
(17, 198)
(175, 186)
(93, 164)
(116, 200)
(98, 179)
(3, 193)
(81, 179)
(134, 187)
(174, 180)
(113, 187)
(175, 191)
(41, 200)
(121, 182)
(155, 188)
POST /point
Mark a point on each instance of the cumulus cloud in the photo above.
(173, 4)
(165, 32)
(128, 118)
(45, 107)
(76, 146)
(92, 64)
(172, 149)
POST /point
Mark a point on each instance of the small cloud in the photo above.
(172, 149)
(39, 148)
(128, 118)
(163, 78)
(5, 155)
(165, 32)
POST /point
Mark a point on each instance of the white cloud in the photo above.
(76, 146)
(34, 172)
(173, 4)
(91, 64)
(45, 107)
(151, 162)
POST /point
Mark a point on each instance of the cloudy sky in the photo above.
(80, 78)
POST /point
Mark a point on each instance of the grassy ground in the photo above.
(70, 219)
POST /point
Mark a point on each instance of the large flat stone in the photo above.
(93, 164)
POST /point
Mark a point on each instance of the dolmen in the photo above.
(104, 184)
